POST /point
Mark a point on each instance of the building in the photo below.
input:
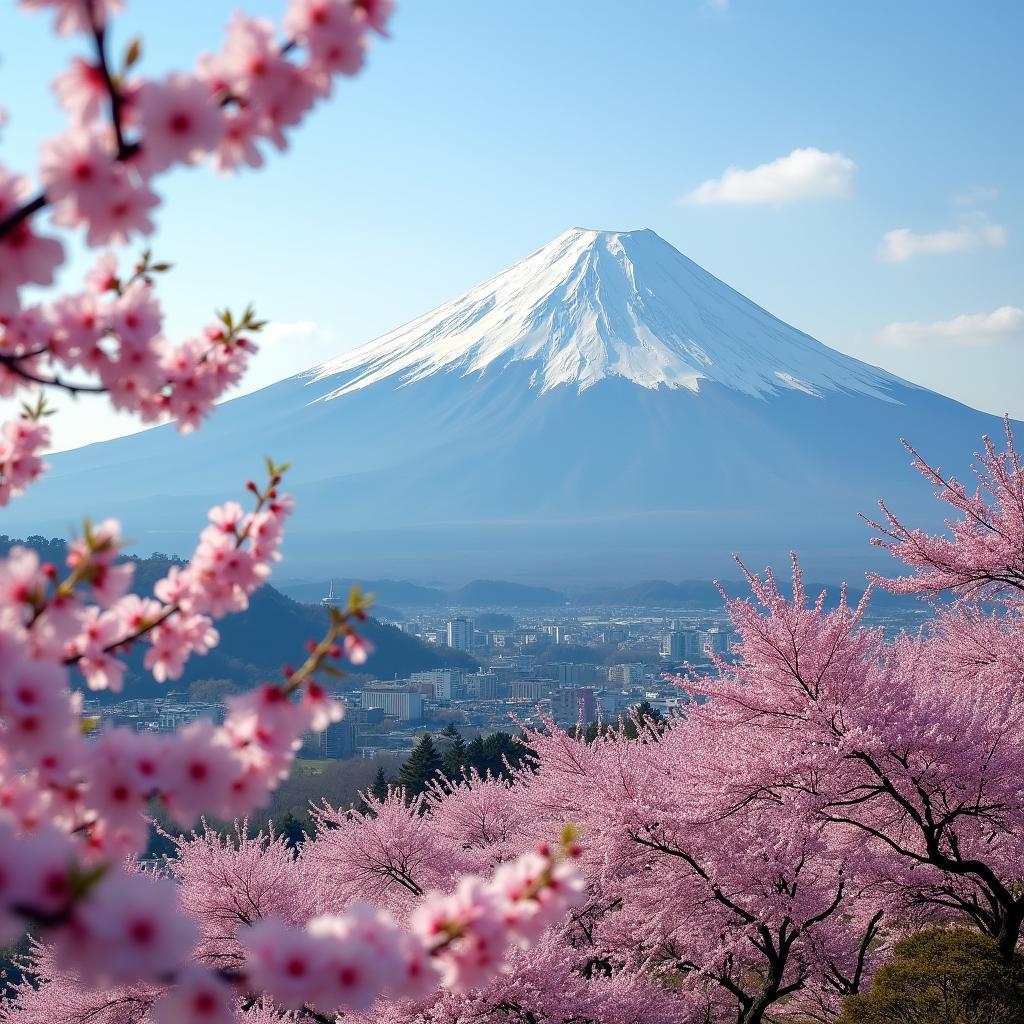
(682, 645)
(174, 716)
(445, 683)
(340, 740)
(460, 633)
(401, 702)
(716, 640)
(575, 706)
(617, 702)
(627, 674)
(529, 689)
(569, 674)
(482, 685)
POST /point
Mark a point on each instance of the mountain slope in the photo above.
(605, 409)
(256, 643)
(598, 304)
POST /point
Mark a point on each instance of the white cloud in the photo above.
(971, 330)
(298, 331)
(902, 244)
(804, 174)
(975, 195)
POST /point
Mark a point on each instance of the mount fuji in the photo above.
(603, 409)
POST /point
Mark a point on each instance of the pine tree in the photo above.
(421, 767)
(455, 752)
(476, 755)
(292, 831)
(380, 786)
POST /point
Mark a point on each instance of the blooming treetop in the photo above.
(72, 804)
(911, 751)
(982, 554)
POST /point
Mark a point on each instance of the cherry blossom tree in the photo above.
(739, 909)
(72, 803)
(317, 941)
(913, 749)
(688, 914)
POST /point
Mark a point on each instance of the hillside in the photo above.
(272, 632)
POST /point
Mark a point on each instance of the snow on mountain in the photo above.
(597, 304)
(603, 410)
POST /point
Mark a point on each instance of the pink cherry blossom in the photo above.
(135, 316)
(377, 12)
(103, 276)
(130, 928)
(333, 32)
(21, 442)
(81, 90)
(73, 16)
(357, 649)
(198, 777)
(123, 212)
(25, 257)
(79, 171)
(98, 632)
(360, 957)
(198, 997)
(284, 962)
(180, 121)
(982, 554)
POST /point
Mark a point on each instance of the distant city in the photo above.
(576, 667)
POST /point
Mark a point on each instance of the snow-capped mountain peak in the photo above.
(602, 409)
(597, 304)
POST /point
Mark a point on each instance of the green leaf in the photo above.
(133, 53)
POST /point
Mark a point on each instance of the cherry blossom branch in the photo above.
(22, 213)
(86, 568)
(99, 35)
(15, 365)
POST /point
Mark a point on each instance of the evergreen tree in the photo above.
(380, 786)
(421, 767)
(292, 831)
(455, 752)
(943, 976)
(476, 755)
(494, 754)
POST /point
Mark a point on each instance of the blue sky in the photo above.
(484, 129)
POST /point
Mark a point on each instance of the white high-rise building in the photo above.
(401, 702)
(460, 633)
(445, 681)
(681, 645)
